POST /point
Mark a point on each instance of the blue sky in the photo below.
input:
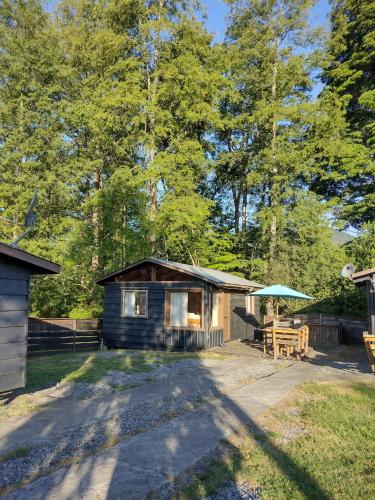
(217, 10)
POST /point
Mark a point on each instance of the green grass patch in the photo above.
(45, 371)
(17, 453)
(333, 459)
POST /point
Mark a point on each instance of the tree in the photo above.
(178, 82)
(349, 74)
(33, 153)
(262, 146)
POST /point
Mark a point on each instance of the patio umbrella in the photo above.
(280, 291)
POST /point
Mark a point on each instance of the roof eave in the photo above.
(38, 265)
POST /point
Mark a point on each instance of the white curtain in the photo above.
(179, 309)
(129, 303)
(215, 310)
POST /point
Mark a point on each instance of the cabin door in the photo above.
(226, 316)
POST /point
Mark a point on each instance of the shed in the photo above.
(157, 304)
(16, 267)
(366, 279)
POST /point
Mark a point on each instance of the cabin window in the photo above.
(184, 309)
(134, 303)
(215, 310)
(250, 304)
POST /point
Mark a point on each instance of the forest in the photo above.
(144, 135)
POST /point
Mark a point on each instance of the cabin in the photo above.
(16, 268)
(157, 304)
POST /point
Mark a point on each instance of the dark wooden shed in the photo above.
(16, 267)
(157, 304)
(366, 279)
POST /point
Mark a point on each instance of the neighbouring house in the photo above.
(16, 267)
(157, 304)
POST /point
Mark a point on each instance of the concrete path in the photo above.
(149, 461)
(72, 414)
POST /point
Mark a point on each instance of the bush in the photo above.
(86, 312)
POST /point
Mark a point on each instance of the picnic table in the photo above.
(286, 340)
(369, 341)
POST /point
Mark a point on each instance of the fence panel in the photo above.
(55, 335)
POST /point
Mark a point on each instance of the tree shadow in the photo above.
(154, 433)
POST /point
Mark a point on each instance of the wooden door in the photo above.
(226, 316)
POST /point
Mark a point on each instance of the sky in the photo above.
(217, 10)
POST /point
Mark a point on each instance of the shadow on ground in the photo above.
(153, 459)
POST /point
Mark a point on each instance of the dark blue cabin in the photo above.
(16, 267)
(157, 304)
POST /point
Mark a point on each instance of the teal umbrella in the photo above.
(280, 291)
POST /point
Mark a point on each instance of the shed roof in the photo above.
(213, 276)
(36, 264)
(363, 275)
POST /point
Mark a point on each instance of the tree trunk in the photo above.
(274, 191)
(244, 210)
(236, 203)
(95, 223)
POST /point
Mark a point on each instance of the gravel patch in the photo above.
(115, 379)
(236, 491)
(86, 440)
(290, 433)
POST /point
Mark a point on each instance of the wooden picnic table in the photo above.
(290, 340)
(369, 341)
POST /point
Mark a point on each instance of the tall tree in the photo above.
(349, 73)
(32, 150)
(179, 83)
(266, 124)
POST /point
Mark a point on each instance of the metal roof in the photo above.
(218, 278)
(36, 264)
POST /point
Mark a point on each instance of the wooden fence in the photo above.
(48, 336)
(329, 329)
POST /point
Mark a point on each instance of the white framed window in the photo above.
(250, 304)
(215, 310)
(134, 303)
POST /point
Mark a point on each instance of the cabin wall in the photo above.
(151, 332)
(242, 325)
(14, 290)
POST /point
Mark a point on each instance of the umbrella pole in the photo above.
(277, 309)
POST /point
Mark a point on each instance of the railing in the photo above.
(55, 335)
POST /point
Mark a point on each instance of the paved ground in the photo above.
(150, 460)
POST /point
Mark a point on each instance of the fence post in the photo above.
(74, 334)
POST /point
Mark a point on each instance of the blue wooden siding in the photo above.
(14, 287)
(150, 332)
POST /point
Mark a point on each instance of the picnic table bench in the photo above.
(369, 341)
(286, 339)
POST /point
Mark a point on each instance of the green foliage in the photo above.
(86, 312)
(145, 137)
(349, 73)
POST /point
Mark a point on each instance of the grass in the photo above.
(46, 371)
(332, 457)
(17, 453)
(81, 367)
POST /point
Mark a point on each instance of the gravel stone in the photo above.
(86, 440)
(236, 491)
